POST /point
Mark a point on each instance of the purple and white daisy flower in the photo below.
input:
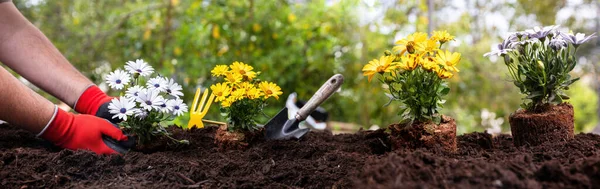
(157, 83)
(164, 108)
(177, 106)
(150, 99)
(503, 48)
(140, 113)
(577, 39)
(117, 79)
(139, 67)
(121, 107)
(134, 91)
(540, 33)
(557, 43)
(173, 88)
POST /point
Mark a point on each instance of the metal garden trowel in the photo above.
(283, 127)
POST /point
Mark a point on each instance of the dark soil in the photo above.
(320, 160)
(554, 123)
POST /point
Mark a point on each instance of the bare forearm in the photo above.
(28, 52)
(21, 106)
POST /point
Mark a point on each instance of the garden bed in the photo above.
(320, 160)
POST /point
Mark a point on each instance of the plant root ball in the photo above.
(425, 135)
(227, 140)
(555, 124)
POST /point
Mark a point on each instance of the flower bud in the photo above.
(389, 79)
(387, 53)
(540, 64)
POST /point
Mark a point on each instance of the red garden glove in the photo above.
(95, 102)
(84, 132)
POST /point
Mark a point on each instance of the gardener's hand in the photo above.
(95, 102)
(83, 132)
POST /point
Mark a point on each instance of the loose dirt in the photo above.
(320, 160)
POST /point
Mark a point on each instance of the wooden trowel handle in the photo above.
(326, 90)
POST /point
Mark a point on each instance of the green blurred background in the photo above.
(298, 44)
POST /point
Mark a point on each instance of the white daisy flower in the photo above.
(157, 83)
(117, 79)
(173, 88)
(149, 99)
(177, 106)
(134, 91)
(164, 108)
(140, 113)
(121, 107)
(140, 67)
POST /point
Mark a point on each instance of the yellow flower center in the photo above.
(219, 93)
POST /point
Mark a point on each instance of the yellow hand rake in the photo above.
(196, 115)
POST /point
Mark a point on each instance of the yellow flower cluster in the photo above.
(417, 50)
(239, 84)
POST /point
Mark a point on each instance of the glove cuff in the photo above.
(49, 122)
(90, 100)
(58, 127)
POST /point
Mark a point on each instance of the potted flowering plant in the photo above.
(415, 73)
(146, 102)
(539, 61)
(242, 98)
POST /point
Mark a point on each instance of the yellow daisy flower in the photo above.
(238, 94)
(409, 43)
(448, 60)
(270, 89)
(221, 91)
(226, 103)
(253, 93)
(384, 64)
(246, 85)
(444, 74)
(243, 69)
(427, 46)
(430, 64)
(233, 78)
(442, 36)
(219, 70)
(409, 62)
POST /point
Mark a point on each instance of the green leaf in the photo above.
(445, 91)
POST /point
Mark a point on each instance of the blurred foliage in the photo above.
(584, 101)
(299, 45)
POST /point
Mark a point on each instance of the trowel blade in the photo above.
(280, 127)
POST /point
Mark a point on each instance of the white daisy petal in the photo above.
(117, 79)
(121, 108)
(157, 83)
(177, 106)
(140, 67)
(133, 91)
(149, 99)
(173, 89)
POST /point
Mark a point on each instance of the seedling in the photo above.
(145, 104)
